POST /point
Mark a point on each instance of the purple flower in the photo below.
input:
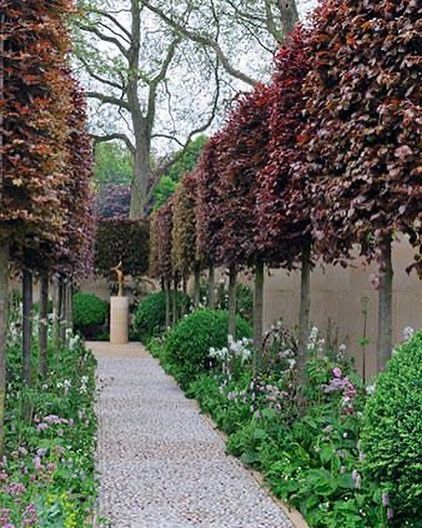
(16, 489)
(42, 426)
(337, 372)
(37, 463)
(4, 516)
(390, 513)
(385, 499)
(30, 517)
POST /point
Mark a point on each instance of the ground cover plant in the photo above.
(316, 445)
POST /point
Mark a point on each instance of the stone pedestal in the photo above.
(119, 320)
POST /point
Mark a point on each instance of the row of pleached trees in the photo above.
(46, 225)
(323, 159)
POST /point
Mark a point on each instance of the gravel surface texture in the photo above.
(161, 463)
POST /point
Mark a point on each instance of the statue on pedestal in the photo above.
(120, 277)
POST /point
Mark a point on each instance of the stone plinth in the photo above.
(119, 320)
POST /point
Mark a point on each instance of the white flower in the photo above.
(408, 333)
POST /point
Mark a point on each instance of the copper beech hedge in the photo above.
(46, 224)
(324, 158)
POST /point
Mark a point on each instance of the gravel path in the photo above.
(161, 464)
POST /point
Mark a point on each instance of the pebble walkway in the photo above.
(161, 463)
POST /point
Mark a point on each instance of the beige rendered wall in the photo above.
(337, 298)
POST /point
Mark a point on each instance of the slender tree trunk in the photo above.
(385, 309)
(4, 302)
(258, 313)
(62, 312)
(197, 286)
(69, 311)
(55, 295)
(211, 287)
(168, 311)
(305, 304)
(232, 301)
(43, 329)
(174, 301)
(184, 291)
(27, 327)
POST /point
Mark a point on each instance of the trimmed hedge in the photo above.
(122, 239)
(392, 434)
(187, 344)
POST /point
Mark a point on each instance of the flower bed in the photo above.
(47, 476)
(306, 443)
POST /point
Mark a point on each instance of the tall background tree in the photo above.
(129, 58)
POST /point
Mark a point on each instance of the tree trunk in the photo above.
(55, 295)
(304, 309)
(62, 312)
(232, 301)
(174, 300)
(288, 15)
(141, 174)
(27, 327)
(184, 291)
(385, 309)
(69, 307)
(197, 286)
(168, 311)
(211, 287)
(43, 326)
(4, 303)
(258, 313)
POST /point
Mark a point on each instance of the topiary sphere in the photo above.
(188, 343)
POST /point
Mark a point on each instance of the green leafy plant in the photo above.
(89, 313)
(392, 435)
(187, 345)
(150, 314)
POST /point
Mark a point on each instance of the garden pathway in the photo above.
(161, 463)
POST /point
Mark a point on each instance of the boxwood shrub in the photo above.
(89, 313)
(150, 314)
(187, 344)
(392, 434)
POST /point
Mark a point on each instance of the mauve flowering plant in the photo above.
(47, 473)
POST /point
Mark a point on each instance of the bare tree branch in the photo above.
(108, 99)
(105, 38)
(158, 173)
(114, 136)
(204, 41)
(97, 77)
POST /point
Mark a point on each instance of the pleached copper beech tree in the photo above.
(208, 219)
(364, 136)
(161, 264)
(37, 102)
(242, 153)
(283, 199)
(184, 252)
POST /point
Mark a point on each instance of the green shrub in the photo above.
(89, 313)
(150, 314)
(392, 434)
(187, 344)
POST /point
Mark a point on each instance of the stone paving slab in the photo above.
(161, 463)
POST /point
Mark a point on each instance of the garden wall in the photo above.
(337, 298)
